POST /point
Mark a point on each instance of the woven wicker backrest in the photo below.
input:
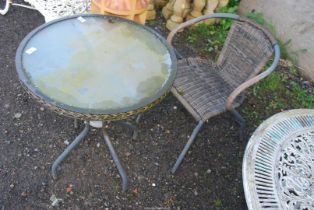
(246, 50)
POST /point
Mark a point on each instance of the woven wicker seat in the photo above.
(207, 89)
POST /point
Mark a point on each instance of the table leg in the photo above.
(67, 151)
(116, 161)
(75, 123)
(131, 126)
(138, 118)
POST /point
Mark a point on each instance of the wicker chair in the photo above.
(207, 89)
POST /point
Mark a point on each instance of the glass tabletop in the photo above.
(97, 64)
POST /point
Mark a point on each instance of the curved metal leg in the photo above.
(67, 151)
(76, 123)
(178, 55)
(241, 121)
(138, 118)
(187, 146)
(116, 161)
(131, 126)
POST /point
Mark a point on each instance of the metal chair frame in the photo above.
(230, 103)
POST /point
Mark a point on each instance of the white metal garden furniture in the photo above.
(52, 9)
(278, 165)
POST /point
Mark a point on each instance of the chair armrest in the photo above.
(199, 19)
(253, 80)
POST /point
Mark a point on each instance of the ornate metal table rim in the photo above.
(83, 134)
(278, 163)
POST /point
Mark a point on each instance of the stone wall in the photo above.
(293, 19)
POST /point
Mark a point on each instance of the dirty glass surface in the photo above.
(95, 63)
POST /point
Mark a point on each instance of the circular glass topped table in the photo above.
(94, 67)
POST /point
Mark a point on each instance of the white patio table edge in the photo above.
(262, 186)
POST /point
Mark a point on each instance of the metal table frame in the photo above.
(88, 114)
(113, 153)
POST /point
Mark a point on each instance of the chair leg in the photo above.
(187, 146)
(240, 120)
(178, 55)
